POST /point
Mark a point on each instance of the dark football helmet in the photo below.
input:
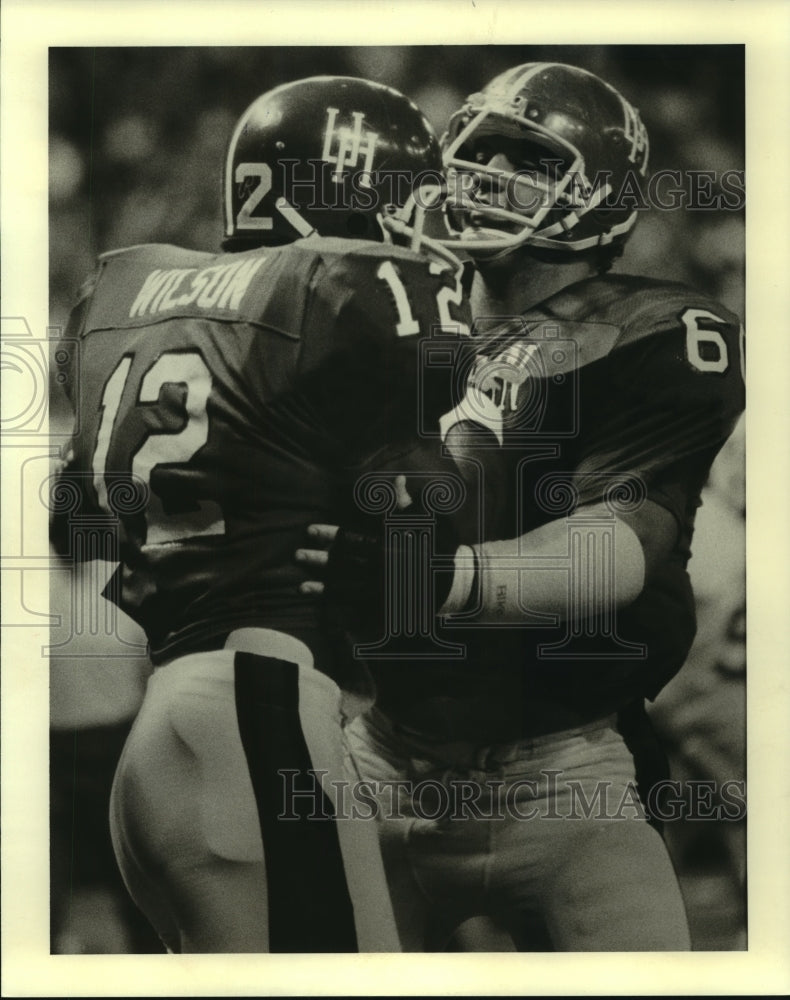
(547, 155)
(331, 155)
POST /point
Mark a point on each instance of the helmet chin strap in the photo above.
(389, 225)
(409, 222)
(418, 241)
(293, 218)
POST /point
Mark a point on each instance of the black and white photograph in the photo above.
(378, 506)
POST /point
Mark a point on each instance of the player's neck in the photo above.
(514, 287)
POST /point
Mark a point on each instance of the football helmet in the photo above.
(547, 155)
(334, 156)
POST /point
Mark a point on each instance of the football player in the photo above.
(223, 402)
(609, 395)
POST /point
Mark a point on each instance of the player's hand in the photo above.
(353, 566)
(354, 551)
(316, 555)
(350, 571)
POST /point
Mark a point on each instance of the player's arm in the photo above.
(68, 494)
(679, 392)
(500, 581)
(68, 491)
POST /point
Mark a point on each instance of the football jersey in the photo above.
(223, 403)
(617, 389)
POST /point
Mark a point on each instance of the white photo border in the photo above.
(29, 28)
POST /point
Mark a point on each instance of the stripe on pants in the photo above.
(310, 908)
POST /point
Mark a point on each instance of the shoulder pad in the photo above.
(125, 250)
(157, 252)
(653, 307)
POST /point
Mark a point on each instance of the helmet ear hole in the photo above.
(357, 226)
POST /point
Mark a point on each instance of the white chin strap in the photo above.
(408, 222)
(293, 218)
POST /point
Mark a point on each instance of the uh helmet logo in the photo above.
(351, 144)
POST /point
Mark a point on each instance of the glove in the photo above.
(369, 566)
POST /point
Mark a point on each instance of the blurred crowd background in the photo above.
(137, 139)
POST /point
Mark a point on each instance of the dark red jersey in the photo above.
(223, 403)
(619, 390)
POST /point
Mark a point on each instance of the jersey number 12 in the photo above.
(172, 446)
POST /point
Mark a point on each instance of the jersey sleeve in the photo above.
(676, 392)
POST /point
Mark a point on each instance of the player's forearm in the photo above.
(67, 497)
(581, 565)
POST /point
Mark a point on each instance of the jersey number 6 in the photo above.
(706, 348)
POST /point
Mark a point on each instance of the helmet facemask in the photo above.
(539, 199)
